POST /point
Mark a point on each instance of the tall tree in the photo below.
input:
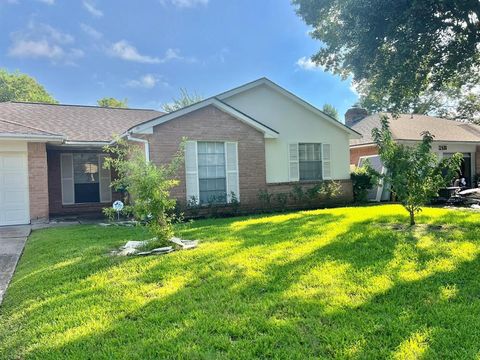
(396, 49)
(330, 110)
(21, 87)
(184, 100)
(111, 102)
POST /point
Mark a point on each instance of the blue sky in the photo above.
(146, 50)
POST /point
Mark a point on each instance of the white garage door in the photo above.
(14, 188)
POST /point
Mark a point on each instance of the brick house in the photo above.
(449, 137)
(257, 136)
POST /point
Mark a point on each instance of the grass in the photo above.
(343, 283)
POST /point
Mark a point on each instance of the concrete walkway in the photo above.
(12, 241)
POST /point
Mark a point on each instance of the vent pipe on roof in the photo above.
(354, 115)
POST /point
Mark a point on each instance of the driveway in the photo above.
(12, 241)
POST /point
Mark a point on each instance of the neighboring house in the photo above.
(449, 137)
(258, 136)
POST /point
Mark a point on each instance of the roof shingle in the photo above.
(74, 122)
(411, 127)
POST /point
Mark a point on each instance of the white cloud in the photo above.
(305, 63)
(90, 31)
(185, 3)
(44, 41)
(147, 81)
(126, 51)
(92, 9)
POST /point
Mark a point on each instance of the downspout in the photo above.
(145, 143)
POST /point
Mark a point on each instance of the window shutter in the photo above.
(191, 171)
(326, 162)
(293, 169)
(66, 171)
(104, 176)
(231, 156)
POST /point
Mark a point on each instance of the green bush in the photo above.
(364, 178)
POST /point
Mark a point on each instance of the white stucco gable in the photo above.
(296, 122)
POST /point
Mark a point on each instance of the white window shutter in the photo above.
(231, 156)
(191, 171)
(293, 167)
(326, 162)
(67, 183)
(104, 176)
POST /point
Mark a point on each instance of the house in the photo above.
(449, 137)
(257, 136)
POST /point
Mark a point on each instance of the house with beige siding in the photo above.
(255, 137)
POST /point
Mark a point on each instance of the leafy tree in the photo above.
(414, 172)
(148, 187)
(111, 102)
(184, 100)
(21, 87)
(330, 110)
(396, 49)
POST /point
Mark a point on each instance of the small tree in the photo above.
(414, 172)
(147, 185)
(16, 86)
(110, 102)
(184, 100)
(330, 110)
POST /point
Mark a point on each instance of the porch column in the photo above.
(38, 181)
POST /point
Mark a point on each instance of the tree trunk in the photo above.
(412, 217)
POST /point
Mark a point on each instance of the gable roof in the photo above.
(267, 82)
(218, 102)
(74, 123)
(213, 101)
(411, 126)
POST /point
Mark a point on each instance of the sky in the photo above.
(146, 50)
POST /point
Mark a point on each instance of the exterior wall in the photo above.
(55, 191)
(38, 181)
(295, 124)
(211, 124)
(357, 152)
(477, 161)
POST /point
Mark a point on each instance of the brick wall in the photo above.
(211, 124)
(357, 152)
(38, 181)
(55, 191)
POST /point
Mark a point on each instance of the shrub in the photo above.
(364, 178)
(147, 185)
(265, 198)
(234, 203)
(281, 200)
(297, 193)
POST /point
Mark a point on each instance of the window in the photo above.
(211, 172)
(310, 161)
(86, 177)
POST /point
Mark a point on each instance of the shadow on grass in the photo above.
(348, 295)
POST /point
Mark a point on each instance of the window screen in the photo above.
(310, 161)
(211, 172)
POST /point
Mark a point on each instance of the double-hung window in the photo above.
(211, 172)
(310, 161)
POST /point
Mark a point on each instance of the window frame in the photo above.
(319, 161)
(225, 200)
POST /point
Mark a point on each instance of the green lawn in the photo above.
(346, 283)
